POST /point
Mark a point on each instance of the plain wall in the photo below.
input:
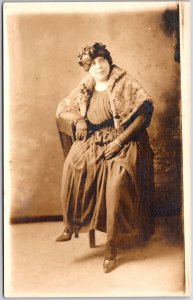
(43, 69)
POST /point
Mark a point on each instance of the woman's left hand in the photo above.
(112, 149)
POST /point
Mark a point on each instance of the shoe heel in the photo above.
(76, 235)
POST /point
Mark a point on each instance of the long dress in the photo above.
(115, 195)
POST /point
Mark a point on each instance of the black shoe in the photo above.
(65, 236)
(110, 258)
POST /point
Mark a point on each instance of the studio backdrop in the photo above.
(43, 69)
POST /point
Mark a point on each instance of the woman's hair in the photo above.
(90, 52)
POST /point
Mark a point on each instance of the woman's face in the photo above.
(100, 69)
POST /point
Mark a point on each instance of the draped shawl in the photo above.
(126, 95)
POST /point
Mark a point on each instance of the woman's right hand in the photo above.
(81, 130)
(81, 134)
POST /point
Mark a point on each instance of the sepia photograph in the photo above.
(96, 149)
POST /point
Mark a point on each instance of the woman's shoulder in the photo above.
(128, 82)
(121, 75)
(86, 83)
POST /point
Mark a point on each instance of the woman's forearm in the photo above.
(131, 130)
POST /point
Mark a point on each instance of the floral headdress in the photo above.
(92, 51)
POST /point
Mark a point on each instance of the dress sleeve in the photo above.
(132, 130)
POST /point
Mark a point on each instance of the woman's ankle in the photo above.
(111, 250)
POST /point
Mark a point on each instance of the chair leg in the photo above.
(92, 238)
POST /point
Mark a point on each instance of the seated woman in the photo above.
(108, 182)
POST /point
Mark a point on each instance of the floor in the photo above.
(37, 266)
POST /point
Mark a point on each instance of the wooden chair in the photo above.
(66, 130)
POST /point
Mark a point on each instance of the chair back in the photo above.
(66, 130)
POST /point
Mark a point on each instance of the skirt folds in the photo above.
(115, 196)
